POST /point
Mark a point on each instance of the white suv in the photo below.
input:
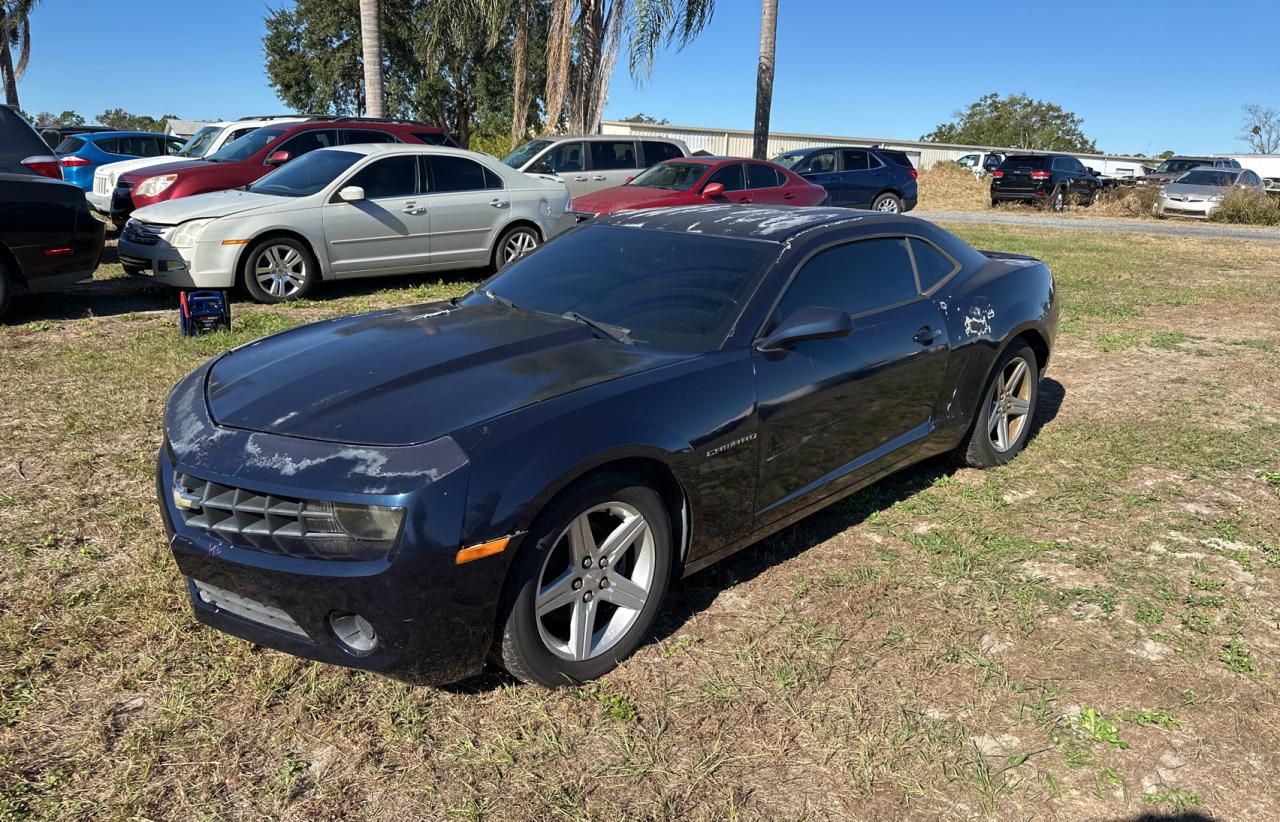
(201, 144)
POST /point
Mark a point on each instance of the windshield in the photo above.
(1208, 177)
(671, 176)
(307, 174)
(525, 153)
(1178, 166)
(670, 290)
(199, 142)
(246, 146)
(788, 160)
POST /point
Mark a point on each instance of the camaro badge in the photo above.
(731, 444)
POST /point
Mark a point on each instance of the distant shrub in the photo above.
(1126, 201)
(1248, 207)
(949, 187)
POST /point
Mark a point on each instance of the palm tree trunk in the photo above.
(520, 86)
(6, 61)
(764, 77)
(559, 51)
(371, 43)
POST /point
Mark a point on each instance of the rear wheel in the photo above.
(888, 203)
(279, 269)
(514, 243)
(587, 584)
(1008, 405)
(1056, 200)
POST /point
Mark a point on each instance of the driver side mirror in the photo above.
(541, 167)
(809, 323)
(278, 158)
(351, 194)
(713, 190)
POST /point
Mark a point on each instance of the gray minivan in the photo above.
(593, 162)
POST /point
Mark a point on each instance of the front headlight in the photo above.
(1162, 194)
(152, 186)
(1217, 198)
(186, 234)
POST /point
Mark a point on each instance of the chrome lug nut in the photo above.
(577, 583)
(587, 596)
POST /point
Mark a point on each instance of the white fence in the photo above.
(737, 143)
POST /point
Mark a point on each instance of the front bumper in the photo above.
(204, 265)
(434, 619)
(1197, 209)
(100, 203)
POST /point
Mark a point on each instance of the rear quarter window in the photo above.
(70, 145)
(900, 158)
(656, 151)
(931, 264)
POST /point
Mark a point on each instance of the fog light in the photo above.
(354, 633)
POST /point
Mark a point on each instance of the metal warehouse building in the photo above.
(736, 143)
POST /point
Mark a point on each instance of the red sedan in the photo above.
(703, 180)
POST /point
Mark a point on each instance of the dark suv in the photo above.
(1050, 180)
(880, 179)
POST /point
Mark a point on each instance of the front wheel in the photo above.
(1006, 409)
(587, 584)
(279, 269)
(888, 203)
(514, 243)
(1057, 200)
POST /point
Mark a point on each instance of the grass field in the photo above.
(1091, 632)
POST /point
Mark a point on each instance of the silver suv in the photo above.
(591, 163)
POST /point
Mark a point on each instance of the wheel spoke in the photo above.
(582, 545)
(616, 544)
(292, 258)
(624, 593)
(993, 419)
(1003, 432)
(1014, 384)
(1018, 406)
(582, 626)
(557, 594)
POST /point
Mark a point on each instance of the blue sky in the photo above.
(1142, 75)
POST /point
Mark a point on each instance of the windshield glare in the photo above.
(670, 290)
(1178, 166)
(305, 175)
(199, 142)
(1208, 177)
(671, 176)
(517, 158)
(246, 146)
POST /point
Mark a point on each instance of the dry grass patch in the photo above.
(949, 187)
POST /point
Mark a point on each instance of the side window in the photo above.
(932, 266)
(854, 160)
(237, 134)
(656, 151)
(450, 173)
(388, 177)
(355, 136)
(110, 146)
(492, 180)
(760, 175)
(171, 146)
(968, 160)
(309, 141)
(993, 161)
(821, 162)
(564, 157)
(432, 138)
(858, 277)
(610, 155)
(1077, 166)
(1057, 164)
(729, 176)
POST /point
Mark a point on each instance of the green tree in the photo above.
(118, 118)
(646, 119)
(15, 33)
(47, 119)
(1016, 121)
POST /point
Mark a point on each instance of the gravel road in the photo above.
(1173, 228)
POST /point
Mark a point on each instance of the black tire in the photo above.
(979, 449)
(6, 290)
(519, 646)
(295, 275)
(1056, 201)
(132, 270)
(887, 202)
(1093, 197)
(515, 239)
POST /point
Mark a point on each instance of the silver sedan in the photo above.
(355, 211)
(1201, 190)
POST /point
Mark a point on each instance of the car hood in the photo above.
(620, 197)
(1188, 190)
(164, 168)
(410, 375)
(203, 206)
(114, 170)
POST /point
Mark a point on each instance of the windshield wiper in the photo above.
(614, 332)
(498, 298)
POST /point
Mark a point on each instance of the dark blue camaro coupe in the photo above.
(518, 474)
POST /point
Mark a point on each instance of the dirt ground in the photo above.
(1091, 632)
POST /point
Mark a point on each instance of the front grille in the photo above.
(268, 522)
(101, 185)
(142, 233)
(247, 608)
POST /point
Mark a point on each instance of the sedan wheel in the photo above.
(595, 581)
(587, 583)
(279, 269)
(1003, 420)
(513, 244)
(1010, 404)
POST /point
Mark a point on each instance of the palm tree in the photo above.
(15, 30)
(764, 77)
(375, 104)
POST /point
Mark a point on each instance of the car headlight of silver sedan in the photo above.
(186, 234)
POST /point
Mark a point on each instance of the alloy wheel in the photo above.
(1059, 200)
(595, 581)
(280, 270)
(520, 242)
(1010, 404)
(888, 204)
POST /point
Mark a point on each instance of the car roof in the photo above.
(610, 137)
(405, 148)
(758, 222)
(96, 135)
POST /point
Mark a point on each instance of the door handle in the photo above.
(598, 178)
(744, 199)
(496, 203)
(926, 335)
(412, 209)
(579, 179)
(790, 195)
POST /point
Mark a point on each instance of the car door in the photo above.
(468, 205)
(860, 176)
(765, 185)
(732, 177)
(613, 162)
(837, 411)
(822, 169)
(388, 231)
(568, 161)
